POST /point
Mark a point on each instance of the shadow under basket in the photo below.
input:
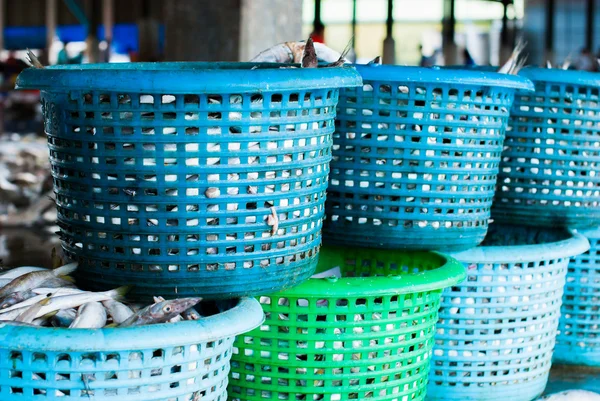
(415, 157)
(165, 362)
(190, 179)
(497, 330)
(365, 335)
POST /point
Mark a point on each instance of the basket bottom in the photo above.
(526, 391)
(546, 216)
(566, 355)
(412, 239)
(221, 284)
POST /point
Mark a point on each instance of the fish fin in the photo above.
(309, 56)
(119, 293)
(158, 299)
(111, 326)
(511, 63)
(375, 61)
(32, 60)
(65, 270)
(548, 64)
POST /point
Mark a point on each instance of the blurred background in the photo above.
(412, 32)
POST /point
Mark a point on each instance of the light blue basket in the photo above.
(578, 340)
(190, 178)
(185, 361)
(497, 329)
(415, 157)
(550, 169)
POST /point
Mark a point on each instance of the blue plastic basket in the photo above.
(167, 362)
(415, 157)
(497, 329)
(578, 340)
(550, 169)
(190, 178)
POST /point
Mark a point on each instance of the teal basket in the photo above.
(190, 178)
(497, 329)
(415, 157)
(578, 341)
(550, 169)
(185, 361)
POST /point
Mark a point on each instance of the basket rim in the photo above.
(554, 75)
(449, 273)
(186, 77)
(440, 75)
(574, 244)
(243, 317)
(590, 232)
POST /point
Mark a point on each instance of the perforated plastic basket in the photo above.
(190, 178)
(185, 361)
(415, 157)
(578, 340)
(367, 335)
(497, 329)
(550, 169)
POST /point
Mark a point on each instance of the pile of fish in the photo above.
(33, 296)
(25, 181)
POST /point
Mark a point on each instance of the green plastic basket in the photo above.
(366, 335)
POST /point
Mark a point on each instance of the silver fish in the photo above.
(160, 312)
(70, 301)
(19, 271)
(64, 318)
(41, 293)
(118, 311)
(29, 315)
(15, 298)
(35, 279)
(91, 315)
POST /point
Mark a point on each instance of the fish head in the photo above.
(173, 307)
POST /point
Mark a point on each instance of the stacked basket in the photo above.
(497, 332)
(550, 176)
(183, 179)
(415, 158)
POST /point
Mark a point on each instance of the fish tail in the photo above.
(118, 294)
(65, 270)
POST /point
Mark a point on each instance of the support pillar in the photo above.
(549, 43)
(354, 24)
(240, 29)
(589, 25)
(108, 21)
(505, 42)
(51, 22)
(448, 29)
(389, 45)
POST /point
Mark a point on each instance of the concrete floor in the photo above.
(564, 377)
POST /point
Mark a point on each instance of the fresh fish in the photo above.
(40, 294)
(31, 313)
(174, 319)
(191, 314)
(35, 279)
(19, 271)
(70, 301)
(15, 298)
(118, 311)
(309, 55)
(64, 318)
(160, 312)
(292, 52)
(91, 315)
